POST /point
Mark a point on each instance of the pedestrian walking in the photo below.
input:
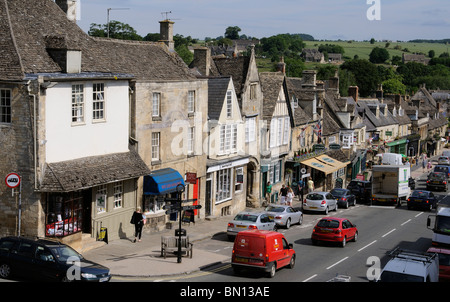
(138, 220)
(289, 196)
(268, 192)
(283, 193)
(424, 164)
(429, 165)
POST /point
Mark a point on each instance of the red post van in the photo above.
(263, 250)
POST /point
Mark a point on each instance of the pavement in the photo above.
(143, 259)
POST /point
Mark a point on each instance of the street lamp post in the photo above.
(180, 190)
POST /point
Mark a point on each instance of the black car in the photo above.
(47, 260)
(437, 180)
(422, 199)
(362, 189)
(344, 197)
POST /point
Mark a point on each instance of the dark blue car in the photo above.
(47, 260)
(422, 199)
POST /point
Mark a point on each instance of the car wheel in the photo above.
(326, 211)
(5, 271)
(346, 205)
(355, 238)
(300, 221)
(288, 223)
(292, 262)
(344, 242)
(430, 207)
(273, 270)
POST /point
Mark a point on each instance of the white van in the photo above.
(391, 159)
(410, 266)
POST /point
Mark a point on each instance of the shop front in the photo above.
(81, 196)
(158, 185)
(326, 171)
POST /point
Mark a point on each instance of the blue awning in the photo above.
(162, 182)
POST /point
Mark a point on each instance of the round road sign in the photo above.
(12, 180)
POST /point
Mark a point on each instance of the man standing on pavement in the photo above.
(310, 185)
(268, 192)
(283, 193)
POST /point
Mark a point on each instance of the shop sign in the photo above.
(191, 177)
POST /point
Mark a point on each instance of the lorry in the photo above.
(410, 266)
(390, 184)
(441, 226)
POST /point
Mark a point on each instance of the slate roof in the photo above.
(92, 171)
(237, 68)
(217, 90)
(271, 83)
(27, 27)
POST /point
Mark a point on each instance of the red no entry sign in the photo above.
(12, 180)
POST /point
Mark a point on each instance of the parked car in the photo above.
(442, 168)
(437, 180)
(334, 229)
(47, 260)
(422, 199)
(344, 197)
(262, 250)
(319, 201)
(444, 160)
(361, 188)
(284, 215)
(250, 221)
(444, 262)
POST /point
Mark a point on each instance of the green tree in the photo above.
(365, 74)
(117, 30)
(394, 86)
(378, 55)
(232, 32)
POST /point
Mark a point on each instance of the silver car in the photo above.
(319, 201)
(444, 160)
(250, 221)
(284, 215)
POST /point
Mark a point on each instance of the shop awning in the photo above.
(163, 181)
(397, 142)
(325, 164)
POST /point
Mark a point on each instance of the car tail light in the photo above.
(230, 225)
(277, 217)
(338, 231)
(304, 201)
(252, 227)
(428, 201)
(409, 199)
(343, 198)
(445, 182)
(324, 202)
(428, 181)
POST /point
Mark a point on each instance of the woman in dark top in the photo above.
(138, 220)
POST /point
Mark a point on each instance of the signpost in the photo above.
(12, 180)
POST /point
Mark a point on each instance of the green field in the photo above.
(363, 49)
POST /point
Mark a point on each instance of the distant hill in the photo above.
(443, 41)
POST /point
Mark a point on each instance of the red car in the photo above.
(444, 262)
(334, 229)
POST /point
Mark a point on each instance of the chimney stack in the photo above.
(69, 7)
(202, 60)
(281, 66)
(166, 33)
(353, 92)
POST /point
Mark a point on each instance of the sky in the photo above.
(396, 20)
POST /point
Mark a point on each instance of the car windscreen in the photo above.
(246, 217)
(419, 194)
(338, 192)
(436, 176)
(63, 253)
(442, 225)
(441, 169)
(328, 223)
(315, 196)
(274, 209)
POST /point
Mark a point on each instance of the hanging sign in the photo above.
(12, 180)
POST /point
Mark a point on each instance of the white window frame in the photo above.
(224, 185)
(250, 129)
(77, 103)
(156, 142)
(190, 140)
(118, 194)
(229, 104)
(191, 101)
(228, 139)
(102, 190)
(156, 104)
(98, 102)
(286, 131)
